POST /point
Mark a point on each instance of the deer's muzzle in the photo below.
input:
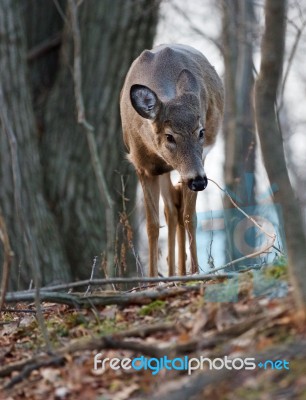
(198, 183)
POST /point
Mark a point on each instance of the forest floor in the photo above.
(251, 317)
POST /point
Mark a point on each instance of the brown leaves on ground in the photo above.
(178, 326)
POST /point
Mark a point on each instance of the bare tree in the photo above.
(267, 84)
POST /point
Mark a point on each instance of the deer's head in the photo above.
(177, 127)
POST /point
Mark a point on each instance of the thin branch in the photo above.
(92, 274)
(44, 47)
(256, 253)
(272, 236)
(252, 255)
(61, 12)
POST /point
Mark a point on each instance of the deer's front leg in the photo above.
(150, 186)
(181, 233)
(171, 201)
(189, 216)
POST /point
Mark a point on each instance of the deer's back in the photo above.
(160, 68)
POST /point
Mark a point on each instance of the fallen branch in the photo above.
(123, 299)
(54, 361)
(100, 282)
(19, 310)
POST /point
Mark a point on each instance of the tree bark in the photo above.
(63, 223)
(113, 33)
(43, 26)
(230, 55)
(25, 210)
(239, 122)
(272, 53)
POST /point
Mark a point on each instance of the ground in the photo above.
(214, 319)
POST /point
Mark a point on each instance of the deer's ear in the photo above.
(144, 101)
(186, 82)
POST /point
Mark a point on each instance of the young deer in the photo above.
(171, 107)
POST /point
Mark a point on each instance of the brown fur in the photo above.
(180, 94)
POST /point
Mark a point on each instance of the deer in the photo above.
(171, 107)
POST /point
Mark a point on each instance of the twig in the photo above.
(128, 231)
(61, 12)
(91, 275)
(210, 260)
(250, 218)
(272, 236)
(256, 253)
(89, 132)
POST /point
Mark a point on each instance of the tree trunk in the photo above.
(43, 27)
(22, 201)
(113, 33)
(230, 55)
(63, 234)
(239, 123)
(246, 142)
(272, 53)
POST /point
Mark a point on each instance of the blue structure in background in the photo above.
(217, 230)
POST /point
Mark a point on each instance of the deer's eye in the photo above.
(170, 138)
(201, 133)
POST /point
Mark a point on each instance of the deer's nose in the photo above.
(198, 183)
